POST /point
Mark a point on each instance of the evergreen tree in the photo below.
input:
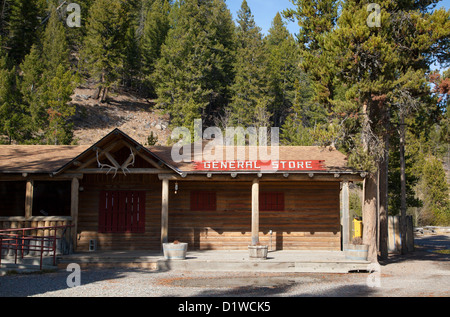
(30, 82)
(436, 192)
(46, 84)
(282, 68)
(154, 32)
(56, 96)
(7, 113)
(250, 88)
(103, 51)
(316, 19)
(22, 29)
(55, 49)
(376, 66)
(193, 72)
(306, 117)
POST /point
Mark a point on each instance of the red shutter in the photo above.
(203, 201)
(271, 201)
(121, 211)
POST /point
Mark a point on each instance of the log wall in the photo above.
(310, 221)
(88, 212)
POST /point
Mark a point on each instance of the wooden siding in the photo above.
(309, 221)
(88, 213)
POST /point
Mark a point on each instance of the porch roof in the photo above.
(36, 158)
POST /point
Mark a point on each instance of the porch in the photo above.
(281, 261)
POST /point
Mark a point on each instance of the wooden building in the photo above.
(125, 196)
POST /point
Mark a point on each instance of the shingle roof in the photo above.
(36, 158)
(52, 158)
(333, 159)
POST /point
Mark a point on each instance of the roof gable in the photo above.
(102, 153)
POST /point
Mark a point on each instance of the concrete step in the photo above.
(220, 263)
(11, 268)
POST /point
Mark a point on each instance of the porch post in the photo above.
(29, 199)
(74, 210)
(255, 212)
(165, 211)
(345, 213)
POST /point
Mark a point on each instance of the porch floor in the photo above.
(220, 261)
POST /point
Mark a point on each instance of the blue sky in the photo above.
(265, 10)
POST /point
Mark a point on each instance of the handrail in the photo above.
(17, 241)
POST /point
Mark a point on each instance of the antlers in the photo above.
(124, 167)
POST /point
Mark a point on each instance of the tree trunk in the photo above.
(402, 184)
(370, 216)
(383, 189)
(104, 94)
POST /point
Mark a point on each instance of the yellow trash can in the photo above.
(357, 228)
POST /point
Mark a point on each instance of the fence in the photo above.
(28, 241)
(395, 235)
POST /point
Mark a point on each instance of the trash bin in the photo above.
(357, 228)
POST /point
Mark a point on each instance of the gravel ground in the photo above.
(424, 273)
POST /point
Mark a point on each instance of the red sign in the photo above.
(287, 165)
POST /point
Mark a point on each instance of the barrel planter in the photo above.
(257, 251)
(357, 252)
(175, 251)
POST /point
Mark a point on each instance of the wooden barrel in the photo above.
(175, 251)
(357, 252)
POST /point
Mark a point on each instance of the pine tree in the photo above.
(381, 78)
(154, 32)
(316, 19)
(55, 49)
(103, 51)
(56, 96)
(30, 82)
(192, 74)
(306, 117)
(23, 28)
(250, 85)
(46, 84)
(437, 201)
(283, 69)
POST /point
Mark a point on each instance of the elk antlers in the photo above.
(124, 167)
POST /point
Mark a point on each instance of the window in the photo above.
(122, 212)
(12, 199)
(271, 201)
(203, 201)
(51, 198)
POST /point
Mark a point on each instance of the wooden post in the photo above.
(74, 210)
(255, 212)
(165, 211)
(345, 213)
(370, 217)
(29, 199)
